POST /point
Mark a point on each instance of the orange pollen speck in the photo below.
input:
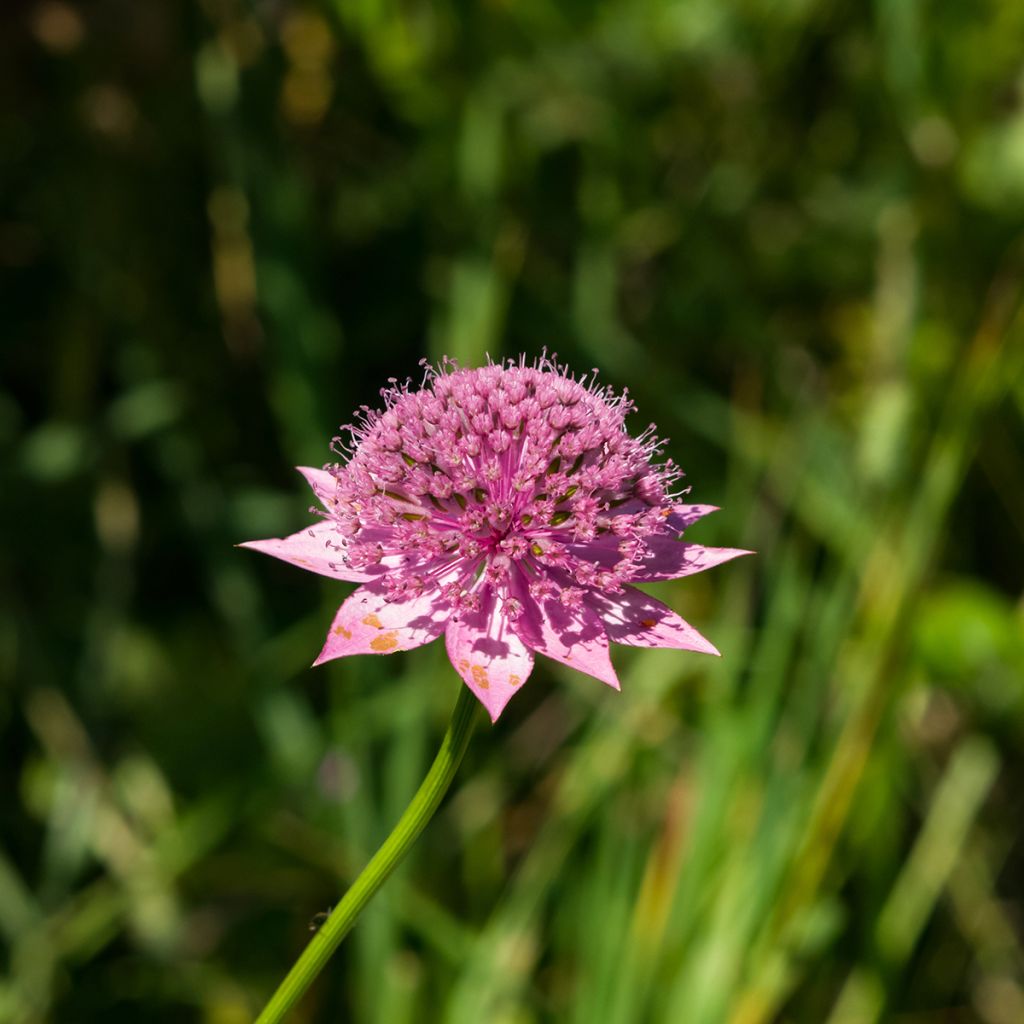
(480, 676)
(514, 680)
(385, 642)
(372, 620)
(648, 623)
(342, 631)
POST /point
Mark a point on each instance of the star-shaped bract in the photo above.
(508, 508)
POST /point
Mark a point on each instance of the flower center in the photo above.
(504, 467)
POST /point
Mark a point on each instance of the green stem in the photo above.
(420, 810)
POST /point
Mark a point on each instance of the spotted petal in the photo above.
(319, 548)
(668, 559)
(369, 623)
(575, 637)
(638, 620)
(683, 516)
(492, 660)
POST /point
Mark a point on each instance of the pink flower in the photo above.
(508, 508)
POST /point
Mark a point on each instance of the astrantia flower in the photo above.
(508, 508)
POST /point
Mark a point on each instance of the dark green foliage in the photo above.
(792, 229)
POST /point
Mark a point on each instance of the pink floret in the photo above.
(508, 508)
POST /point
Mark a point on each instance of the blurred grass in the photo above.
(792, 230)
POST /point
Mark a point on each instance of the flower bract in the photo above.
(508, 508)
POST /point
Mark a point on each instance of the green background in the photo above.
(792, 229)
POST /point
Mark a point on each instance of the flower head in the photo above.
(508, 508)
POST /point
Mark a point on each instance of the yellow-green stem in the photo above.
(420, 810)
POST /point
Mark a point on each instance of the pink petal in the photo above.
(323, 484)
(683, 516)
(575, 637)
(368, 623)
(636, 619)
(602, 551)
(319, 548)
(676, 517)
(493, 662)
(668, 559)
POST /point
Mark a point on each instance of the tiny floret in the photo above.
(508, 508)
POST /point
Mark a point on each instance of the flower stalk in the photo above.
(412, 822)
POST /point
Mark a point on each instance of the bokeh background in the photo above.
(793, 229)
